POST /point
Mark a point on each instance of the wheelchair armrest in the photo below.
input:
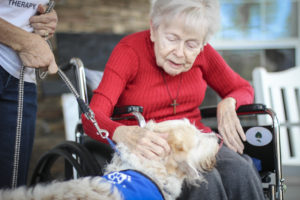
(208, 112)
(252, 109)
(136, 111)
(127, 110)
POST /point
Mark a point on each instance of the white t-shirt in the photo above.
(17, 12)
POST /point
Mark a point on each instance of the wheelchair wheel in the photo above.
(70, 156)
(102, 153)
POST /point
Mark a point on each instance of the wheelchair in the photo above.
(87, 157)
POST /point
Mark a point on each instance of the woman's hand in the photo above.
(229, 125)
(45, 23)
(143, 142)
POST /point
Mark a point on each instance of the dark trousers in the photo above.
(8, 122)
(233, 178)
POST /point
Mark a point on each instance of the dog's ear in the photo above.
(189, 170)
(178, 147)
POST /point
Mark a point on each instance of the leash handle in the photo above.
(42, 75)
(14, 181)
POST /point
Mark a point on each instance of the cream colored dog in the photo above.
(192, 153)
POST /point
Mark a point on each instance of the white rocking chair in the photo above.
(281, 92)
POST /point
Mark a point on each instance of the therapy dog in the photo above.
(128, 176)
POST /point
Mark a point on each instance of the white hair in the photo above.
(202, 15)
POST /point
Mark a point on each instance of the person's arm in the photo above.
(229, 125)
(120, 69)
(221, 78)
(32, 49)
(234, 90)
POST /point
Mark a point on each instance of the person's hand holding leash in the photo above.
(143, 142)
(36, 53)
(229, 125)
(44, 24)
(32, 48)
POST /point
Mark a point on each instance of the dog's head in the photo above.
(191, 150)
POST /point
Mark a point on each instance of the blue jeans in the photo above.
(8, 121)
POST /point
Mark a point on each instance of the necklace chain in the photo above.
(174, 100)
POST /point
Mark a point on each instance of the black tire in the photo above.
(75, 156)
(101, 153)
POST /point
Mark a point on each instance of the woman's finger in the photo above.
(146, 152)
(159, 139)
(238, 131)
(231, 137)
(227, 141)
(241, 132)
(227, 128)
(153, 143)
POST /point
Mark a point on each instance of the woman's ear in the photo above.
(151, 31)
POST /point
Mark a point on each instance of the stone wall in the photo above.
(102, 16)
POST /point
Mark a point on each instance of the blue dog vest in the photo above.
(134, 185)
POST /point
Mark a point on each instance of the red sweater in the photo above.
(131, 77)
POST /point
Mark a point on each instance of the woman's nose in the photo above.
(179, 50)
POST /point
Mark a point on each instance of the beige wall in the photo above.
(102, 16)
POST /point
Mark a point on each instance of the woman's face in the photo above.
(176, 46)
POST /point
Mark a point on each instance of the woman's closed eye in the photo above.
(172, 37)
(192, 44)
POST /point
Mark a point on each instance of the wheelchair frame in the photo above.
(275, 191)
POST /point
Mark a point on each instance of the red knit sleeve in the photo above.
(121, 67)
(223, 79)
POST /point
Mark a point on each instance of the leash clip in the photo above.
(90, 115)
(103, 133)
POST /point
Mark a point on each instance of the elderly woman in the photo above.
(166, 70)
